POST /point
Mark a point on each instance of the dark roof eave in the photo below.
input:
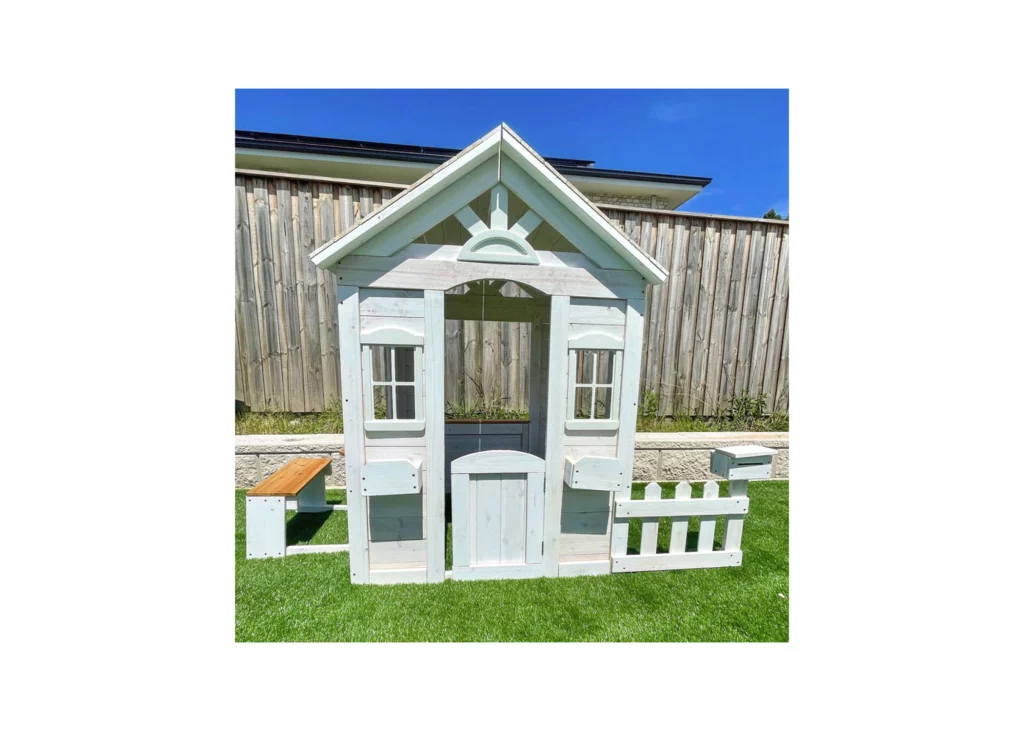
(630, 175)
(359, 148)
(434, 156)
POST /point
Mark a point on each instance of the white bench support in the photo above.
(264, 527)
(265, 519)
(313, 497)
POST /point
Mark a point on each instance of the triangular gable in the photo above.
(499, 158)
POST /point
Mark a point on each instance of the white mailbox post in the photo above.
(739, 465)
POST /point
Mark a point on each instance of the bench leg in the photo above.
(264, 527)
(313, 498)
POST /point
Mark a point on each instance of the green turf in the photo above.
(309, 597)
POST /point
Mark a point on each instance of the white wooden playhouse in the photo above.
(524, 503)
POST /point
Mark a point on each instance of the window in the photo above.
(392, 387)
(594, 377)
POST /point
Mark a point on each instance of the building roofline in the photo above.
(433, 155)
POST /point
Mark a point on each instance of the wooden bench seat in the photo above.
(292, 478)
(302, 479)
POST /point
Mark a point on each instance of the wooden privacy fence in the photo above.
(718, 328)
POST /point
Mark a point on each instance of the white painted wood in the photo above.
(526, 224)
(587, 337)
(499, 247)
(460, 520)
(595, 473)
(568, 196)
(264, 527)
(597, 439)
(390, 303)
(447, 189)
(679, 508)
(513, 519)
(407, 554)
(534, 516)
(591, 311)
(557, 273)
(470, 221)
(584, 568)
(744, 452)
(371, 323)
(496, 462)
(536, 406)
(681, 524)
(649, 529)
(486, 491)
(391, 477)
(581, 546)
(564, 220)
(294, 506)
(591, 424)
(630, 380)
(499, 208)
(620, 536)
(733, 534)
(706, 536)
(433, 402)
(395, 506)
(398, 576)
(352, 411)
(321, 548)
(390, 336)
(670, 561)
(395, 425)
(505, 571)
(412, 453)
(558, 365)
(743, 462)
(403, 529)
(313, 497)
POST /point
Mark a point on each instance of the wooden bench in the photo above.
(301, 479)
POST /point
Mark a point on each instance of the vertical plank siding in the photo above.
(718, 328)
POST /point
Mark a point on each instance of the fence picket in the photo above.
(649, 531)
(681, 524)
(706, 536)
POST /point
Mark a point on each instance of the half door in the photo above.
(497, 515)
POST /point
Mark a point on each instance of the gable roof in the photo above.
(499, 142)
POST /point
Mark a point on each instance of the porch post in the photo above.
(433, 410)
(558, 369)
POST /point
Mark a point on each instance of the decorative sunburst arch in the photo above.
(498, 242)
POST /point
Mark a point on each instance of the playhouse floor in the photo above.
(309, 597)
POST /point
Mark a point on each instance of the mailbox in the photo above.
(744, 462)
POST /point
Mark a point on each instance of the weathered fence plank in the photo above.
(273, 368)
(750, 291)
(716, 329)
(702, 330)
(719, 311)
(309, 302)
(727, 387)
(765, 302)
(777, 326)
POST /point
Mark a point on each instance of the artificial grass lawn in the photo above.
(308, 598)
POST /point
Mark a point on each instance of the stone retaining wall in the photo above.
(658, 456)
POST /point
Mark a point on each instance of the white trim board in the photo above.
(457, 182)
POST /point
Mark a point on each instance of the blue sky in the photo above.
(739, 138)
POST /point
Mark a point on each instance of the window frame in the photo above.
(594, 342)
(392, 338)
